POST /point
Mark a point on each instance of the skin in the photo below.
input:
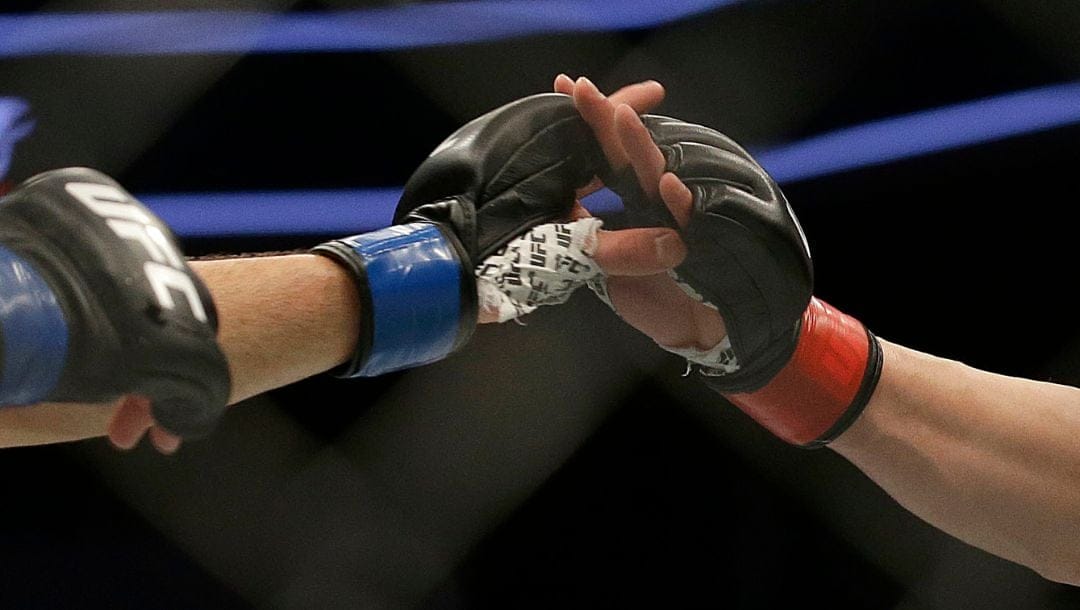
(990, 459)
(286, 318)
(987, 458)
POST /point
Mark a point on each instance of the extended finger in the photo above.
(677, 197)
(641, 251)
(564, 84)
(163, 441)
(642, 97)
(639, 149)
(130, 422)
(598, 112)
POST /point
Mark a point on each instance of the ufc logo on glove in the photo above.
(130, 222)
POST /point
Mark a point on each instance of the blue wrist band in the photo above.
(414, 279)
(33, 333)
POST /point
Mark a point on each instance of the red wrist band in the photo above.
(825, 385)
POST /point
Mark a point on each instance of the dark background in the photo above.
(564, 463)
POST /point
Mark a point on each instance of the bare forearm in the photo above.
(282, 318)
(990, 459)
(48, 423)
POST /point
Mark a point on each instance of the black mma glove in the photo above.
(97, 301)
(796, 365)
(498, 176)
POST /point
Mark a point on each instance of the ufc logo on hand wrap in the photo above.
(166, 271)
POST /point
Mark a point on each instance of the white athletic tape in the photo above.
(715, 362)
(542, 267)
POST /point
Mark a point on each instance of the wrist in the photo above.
(283, 318)
(417, 296)
(824, 386)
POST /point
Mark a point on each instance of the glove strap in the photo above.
(33, 333)
(826, 384)
(418, 298)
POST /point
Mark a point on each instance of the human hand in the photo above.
(125, 420)
(795, 364)
(106, 306)
(132, 420)
(633, 252)
(652, 302)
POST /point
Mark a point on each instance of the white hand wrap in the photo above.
(542, 267)
(715, 362)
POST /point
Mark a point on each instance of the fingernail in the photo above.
(670, 250)
(587, 83)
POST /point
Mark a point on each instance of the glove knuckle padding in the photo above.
(747, 255)
(694, 162)
(140, 321)
(503, 173)
(667, 131)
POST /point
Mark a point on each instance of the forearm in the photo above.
(282, 318)
(47, 423)
(990, 459)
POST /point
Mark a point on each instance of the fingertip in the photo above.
(657, 94)
(121, 442)
(657, 90)
(587, 86)
(564, 84)
(129, 423)
(164, 442)
(592, 105)
(675, 191)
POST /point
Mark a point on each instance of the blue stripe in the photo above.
(924, 133)
(374, 29)
(251, 214)
(34, 333)
(414, 276)
(886, 141)
(15, 125)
